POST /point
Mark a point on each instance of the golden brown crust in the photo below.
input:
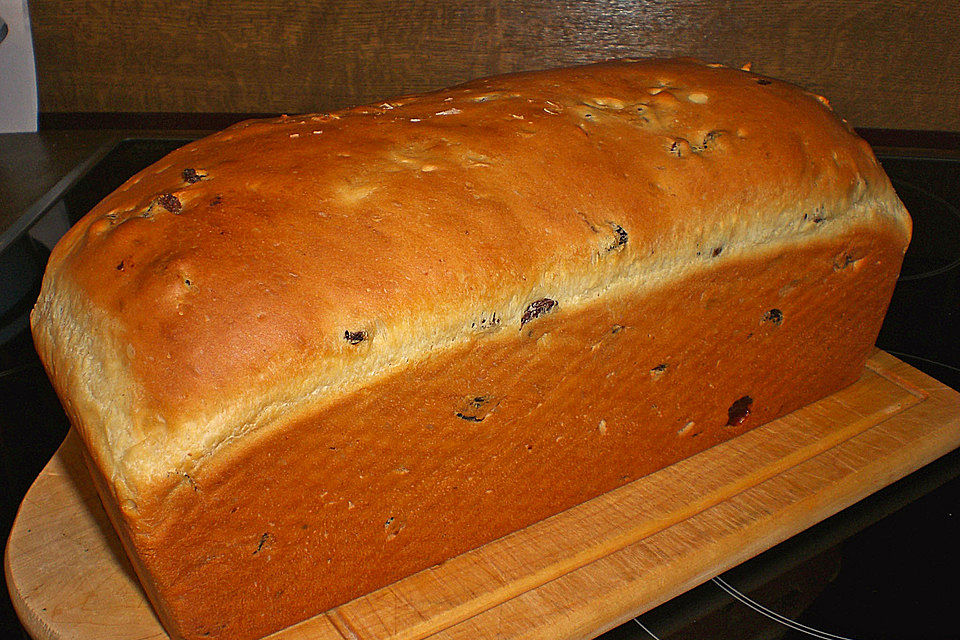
(227, 275)
(252, 286)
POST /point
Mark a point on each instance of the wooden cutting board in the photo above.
(575, 575)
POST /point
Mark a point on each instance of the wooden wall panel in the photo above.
(893, 63)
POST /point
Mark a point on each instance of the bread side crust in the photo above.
(167, 352)
(469, 444)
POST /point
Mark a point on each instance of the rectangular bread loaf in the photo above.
(309, 356)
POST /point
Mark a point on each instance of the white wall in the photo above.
(18, 75)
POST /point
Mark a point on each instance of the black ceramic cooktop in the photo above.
(884, 568)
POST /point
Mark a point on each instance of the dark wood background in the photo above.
(889, 64)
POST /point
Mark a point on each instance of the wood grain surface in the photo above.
(572, 576)
(891, 64)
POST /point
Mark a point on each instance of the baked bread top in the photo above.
(280, 263)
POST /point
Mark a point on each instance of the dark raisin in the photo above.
(708, 139)
(476, 408)
(717, 251)
(763, 81)
(711, 137)
(622, 235)
(773, 315)
(660, 368)
(354, 337)
(216, 200)
(192, 176)
(263, 541)
(538, 308)
(120, 266)
(843, 262)
(739, 411)
(170, 202)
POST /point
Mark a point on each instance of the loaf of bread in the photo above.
(309, 356)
